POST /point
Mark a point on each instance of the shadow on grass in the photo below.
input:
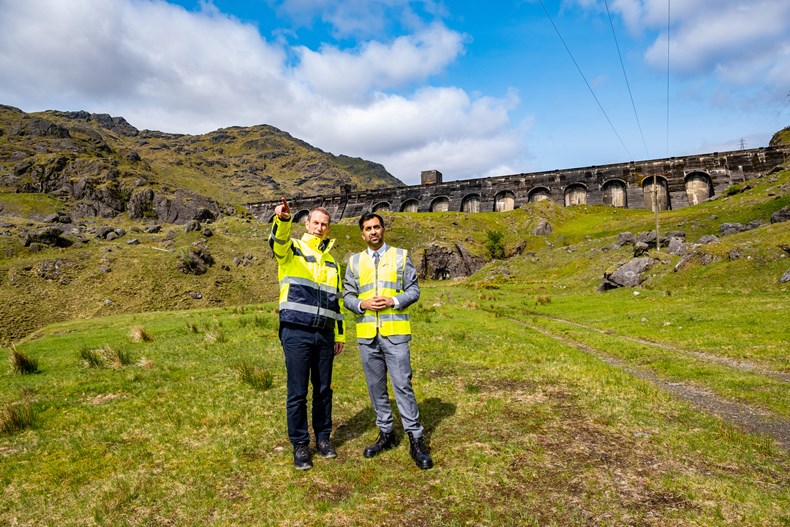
(432, 411)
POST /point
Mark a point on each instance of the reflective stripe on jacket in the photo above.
(309, 280)
(387, 280)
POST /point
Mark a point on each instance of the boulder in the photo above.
(677, 246)
(708, 238)
(50, 235)
(626, 238)
(727, 229)
(640, 249)
(785, 277)
(628, 275)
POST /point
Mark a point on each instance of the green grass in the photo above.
(524, 431)
(182, 418)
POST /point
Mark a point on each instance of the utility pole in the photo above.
(655, 208)
(742, 144)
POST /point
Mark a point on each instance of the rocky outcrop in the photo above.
(781, 215)
(440, 262)
(50, 235)
(544, 228)
(195, 260)
(180, 208)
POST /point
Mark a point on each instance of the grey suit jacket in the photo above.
(410, 294)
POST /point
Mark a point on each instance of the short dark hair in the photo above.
(369, 216)
(322, 210)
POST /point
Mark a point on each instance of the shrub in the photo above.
(23, 364)
(255, 375)
(16, 417)
(495, 244)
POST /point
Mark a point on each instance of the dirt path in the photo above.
(732, 363)
(747, 417)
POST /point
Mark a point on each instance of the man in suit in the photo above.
(379, 286)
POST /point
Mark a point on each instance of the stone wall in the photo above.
(680, 181)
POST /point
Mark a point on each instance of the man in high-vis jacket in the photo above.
(379, 286)
(311, 326)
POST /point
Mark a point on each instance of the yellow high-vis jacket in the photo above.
(310, 282)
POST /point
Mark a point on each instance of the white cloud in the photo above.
(162, 67)
(348, 76)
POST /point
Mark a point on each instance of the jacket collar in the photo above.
(316, 243)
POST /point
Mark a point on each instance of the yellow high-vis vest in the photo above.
(386, 280)
(310, 282)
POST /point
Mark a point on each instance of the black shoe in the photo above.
(384, 441)
(326, 449)
(302, 459)
(419, 452)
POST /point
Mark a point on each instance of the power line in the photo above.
(585, 79)
(668, 30)
(628, 85)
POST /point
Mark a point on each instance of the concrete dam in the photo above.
(670, 183)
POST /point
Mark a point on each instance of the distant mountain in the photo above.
(101, 166)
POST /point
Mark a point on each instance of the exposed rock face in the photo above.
(544, 228)
(781, 215)
(181, 208)
(627, 275)
(440, 262)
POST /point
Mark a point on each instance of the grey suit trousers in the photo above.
(379, 357)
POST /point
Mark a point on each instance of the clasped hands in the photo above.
(377, 303)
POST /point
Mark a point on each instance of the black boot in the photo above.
(302, 459)
(419, 452)
(384, 441)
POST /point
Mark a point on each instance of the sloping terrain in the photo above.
(101, 166)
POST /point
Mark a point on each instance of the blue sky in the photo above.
(469, 88)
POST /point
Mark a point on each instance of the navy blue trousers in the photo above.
(309, 354)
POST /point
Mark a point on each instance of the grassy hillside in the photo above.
(95, 163)
(100, 277)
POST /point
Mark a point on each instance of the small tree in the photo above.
(495, 245)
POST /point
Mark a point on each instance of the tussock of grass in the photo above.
(139, 334)
(15, 418)
(105, 357)
(23, 364)
(93, 358)
(214, 336)
(255, 375)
